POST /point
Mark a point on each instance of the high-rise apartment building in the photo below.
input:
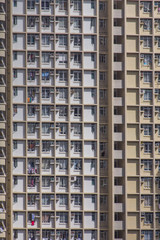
(79, 120)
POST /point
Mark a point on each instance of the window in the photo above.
(14, 38)
(45, 22)
(31, 199)
(15, 91)
(62, 128)
(15, 162)
(102, 111)
(31, 21)
(31, 57)
(77, 199)
(77, 146)
(77, 129)
(63, 200)
(46, 217)
(147, 42)
(31, 75)
(77, 93)
(31, 39)
(77, 164)
(77, 76)
(15, 73)
(45, 199)
(45, 110)
(62, 111)
(148, 200)
(147, 129)
(45, 40)
(147, 165)
(62, 22)
(102, 6)
(147, 147)
(147, 77)
(46, 146)
(14, 55)
(46, 128)
(103, 41)
(77, 40)
(45, 181)
(102, 76)
(77, 217)
(63, 217)
(102, 23)
(103, 164)
(45, 164)
(15, 198)
(63, 182)
(62, 5)
(103, 217)
(45, 57)
(147, 7)
(77, 111)
(15, 145)
(78, 182)
(45, 75)
(77, 58)
(31, 111)
(46, 234)
(63, 147)
(15, 216)
(62, 57)
(63, 164)
(147, 24)
(62, 39)
(102, 58)
(77, 5)
(30, 4)
(31, 128)
(45, 4)
(46, 93)
(62, 76)
(148, 218)
(147, 112)
(77, 22)
(15, 20)
(31, 146)
(15, 180)
(147, 182)
(103, 199)
(15, 3)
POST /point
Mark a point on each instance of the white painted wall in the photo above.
(89, 205)
(88, 186)
(20, 222)
(20, 44)
(88, 80)
(20, 151)
(89, 116)
(89, 151)
(20, 169)
(20, 187)
(20, 62)
(20, 80)
(21, 95)
(20, 26)
(90, 166)
(90, 131)
(88, 223)
(89, 43)
(20, 204)
(90, 96)
(87, 61)
(89, 25)
(88, 8)
(20, 9)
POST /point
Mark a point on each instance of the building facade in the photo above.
(79, 120)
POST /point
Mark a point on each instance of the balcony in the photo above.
(117, 48)
(117, 31)
(118, 172)
(118, 225)
(118, 207)
(118, 154)
(117, 13)
(119, 190)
